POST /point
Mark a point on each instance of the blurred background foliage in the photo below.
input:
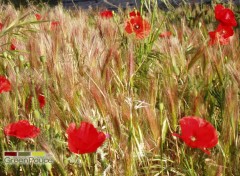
(18, 3)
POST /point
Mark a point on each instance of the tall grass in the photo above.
(135, 90)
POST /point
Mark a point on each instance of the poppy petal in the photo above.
(139, 26)
(85, 139)
(134, 13)
(197, 133)
(225, 15)
(5, 85)
(129, 28)
(1, 26)
(18, 129)
(106, 14)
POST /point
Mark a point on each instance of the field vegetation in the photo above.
(134, 89)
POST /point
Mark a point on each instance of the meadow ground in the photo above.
(134, 89)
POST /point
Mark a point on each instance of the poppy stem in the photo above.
(93, 161)
(83, 165)
(206, 151)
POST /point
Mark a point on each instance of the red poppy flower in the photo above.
(21, 129)
(12, 47)
(5, 85)
(41, 100)
(221, 35)
(225, 15)
(85, 139)
(106, 14)
(166, 34)
(198, 133)
(134, 13)
(38, 16)
(138, 26)
(54, 24)
(1, 26)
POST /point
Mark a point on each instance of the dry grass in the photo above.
(134, 90)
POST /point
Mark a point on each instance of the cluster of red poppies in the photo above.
(195, 132)
(135, 24)
(85, 139)
(5, 86)
(225, 28)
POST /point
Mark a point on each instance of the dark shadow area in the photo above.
(25, 3)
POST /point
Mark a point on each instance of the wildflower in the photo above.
(5, 85)
(106, 14)
(54, 24)
(225, 15)
(38, 16)
(85, 139)
(13, 47)
(22, 129)
(221, 35)
(1, 26)
(134, 13)
(166, 34)
(41, 100)
(138, 26)
(198, 133)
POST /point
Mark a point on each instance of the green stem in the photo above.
(84, 165)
